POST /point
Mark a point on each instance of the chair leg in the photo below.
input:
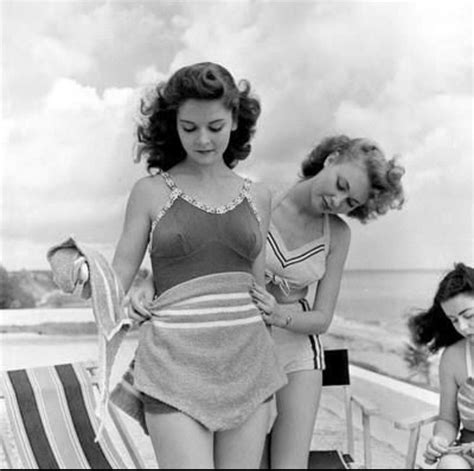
(349, 422)
(412, 448)
(367, 437)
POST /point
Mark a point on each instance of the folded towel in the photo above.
(107, 298)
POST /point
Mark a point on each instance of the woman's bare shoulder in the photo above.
(454, 353)
(151, 192)
(340, 230)
(452, 362)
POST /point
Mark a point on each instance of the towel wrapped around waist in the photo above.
(206, 352)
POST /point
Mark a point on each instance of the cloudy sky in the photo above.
(397, 72)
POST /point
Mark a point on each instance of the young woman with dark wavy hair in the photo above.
(205, 368)
(449, 324)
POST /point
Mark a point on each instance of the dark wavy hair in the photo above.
(384, 175)
(157, 134)
(432, 327)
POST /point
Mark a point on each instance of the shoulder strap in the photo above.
(172, 197)
(168, 180)
(246, 187)
(245, 193)
(278, 197)
(468, 359)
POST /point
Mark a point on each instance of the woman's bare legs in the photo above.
(297, 405)
(242, 447)
(180, 442)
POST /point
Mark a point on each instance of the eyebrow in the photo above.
(463, 311)
(214, 121)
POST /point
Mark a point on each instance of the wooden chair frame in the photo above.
(337, 376)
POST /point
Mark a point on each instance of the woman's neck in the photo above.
(203, 173)
(298, 200)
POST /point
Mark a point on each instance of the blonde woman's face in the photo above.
(340, 187)
(460, 311)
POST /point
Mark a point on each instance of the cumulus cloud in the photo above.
(399, 73)
(69, 165)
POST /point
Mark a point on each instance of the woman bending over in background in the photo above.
(449, 324)
(308, 243)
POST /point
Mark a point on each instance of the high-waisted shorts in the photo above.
(297, 352)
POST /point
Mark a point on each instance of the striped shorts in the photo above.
(298, 352)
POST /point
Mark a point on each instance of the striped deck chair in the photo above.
(52, 417)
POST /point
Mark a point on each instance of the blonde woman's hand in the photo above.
(268, 307)
(435, 449)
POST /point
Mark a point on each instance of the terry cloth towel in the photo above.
(107, 298)
(206, 352)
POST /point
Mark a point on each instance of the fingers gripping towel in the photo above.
(107, 297)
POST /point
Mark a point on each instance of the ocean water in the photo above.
(385, 298)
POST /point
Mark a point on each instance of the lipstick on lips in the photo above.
(204, 152)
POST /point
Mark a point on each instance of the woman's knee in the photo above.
(453, 462)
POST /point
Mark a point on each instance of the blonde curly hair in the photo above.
(385, 176)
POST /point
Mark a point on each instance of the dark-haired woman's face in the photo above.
(460, 311)
(340, 187)
(204, 128)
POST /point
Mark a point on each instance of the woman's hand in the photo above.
(140, 298)
(81, 271)
(436, 447)
(81, 276)
(268, 306)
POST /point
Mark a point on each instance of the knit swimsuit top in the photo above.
(195, 239)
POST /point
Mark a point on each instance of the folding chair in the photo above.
(336, 374)
(413, 425)
(52, 417)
